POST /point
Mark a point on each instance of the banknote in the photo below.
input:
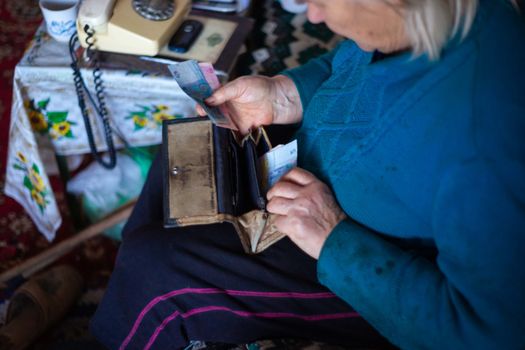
(209, 74)
(193, 82)
(277, 162)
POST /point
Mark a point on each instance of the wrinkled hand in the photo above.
(306, 208)
(252, 101)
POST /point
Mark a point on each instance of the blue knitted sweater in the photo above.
(421, 155)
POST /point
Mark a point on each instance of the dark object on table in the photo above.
(185, 36)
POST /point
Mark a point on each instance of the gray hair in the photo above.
(431, 23)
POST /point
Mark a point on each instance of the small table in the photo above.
(46, 119)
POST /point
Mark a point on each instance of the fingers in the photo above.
(230, 91)
(279, 205)
(200, 111)
(281, 223)
(299, 176)
(284, 189)
(243, 129)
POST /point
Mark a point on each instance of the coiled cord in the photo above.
(99, 105)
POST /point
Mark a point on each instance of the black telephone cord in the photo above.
(100, 107)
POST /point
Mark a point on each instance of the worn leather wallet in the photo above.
(211, 175)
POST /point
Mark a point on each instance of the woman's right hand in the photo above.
(252, 101)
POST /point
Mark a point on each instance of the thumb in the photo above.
(230, 91)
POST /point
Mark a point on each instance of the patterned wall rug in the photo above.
(282, 40)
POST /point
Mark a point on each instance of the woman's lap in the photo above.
(171, 286)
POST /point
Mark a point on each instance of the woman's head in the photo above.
(372, 24)
(424, 26)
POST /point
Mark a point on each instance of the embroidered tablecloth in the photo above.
(139, 96)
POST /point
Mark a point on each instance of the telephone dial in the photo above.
(140, 27)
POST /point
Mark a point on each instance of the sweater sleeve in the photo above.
(472, 298)
(310, 76)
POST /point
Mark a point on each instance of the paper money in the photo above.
(195, 84)
(209, 74)
(277, 162)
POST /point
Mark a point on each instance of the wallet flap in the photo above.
(191, 187)
(257, 231)
(270, 235)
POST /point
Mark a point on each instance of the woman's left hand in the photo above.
(306, 210)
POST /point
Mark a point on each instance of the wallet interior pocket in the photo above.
(238, 175)
(256, 198)
(225, 171)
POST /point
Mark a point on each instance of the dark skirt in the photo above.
(173, 286)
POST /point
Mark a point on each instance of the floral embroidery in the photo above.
(54, 123)
(151, 116)
(33, 181)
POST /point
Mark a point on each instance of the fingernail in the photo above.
(210, 100)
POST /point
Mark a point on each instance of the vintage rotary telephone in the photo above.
(140, 27)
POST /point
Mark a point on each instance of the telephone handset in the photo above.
(140, 27)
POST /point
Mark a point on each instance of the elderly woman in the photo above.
(408, 205)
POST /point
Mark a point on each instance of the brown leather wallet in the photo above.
(211, 175)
